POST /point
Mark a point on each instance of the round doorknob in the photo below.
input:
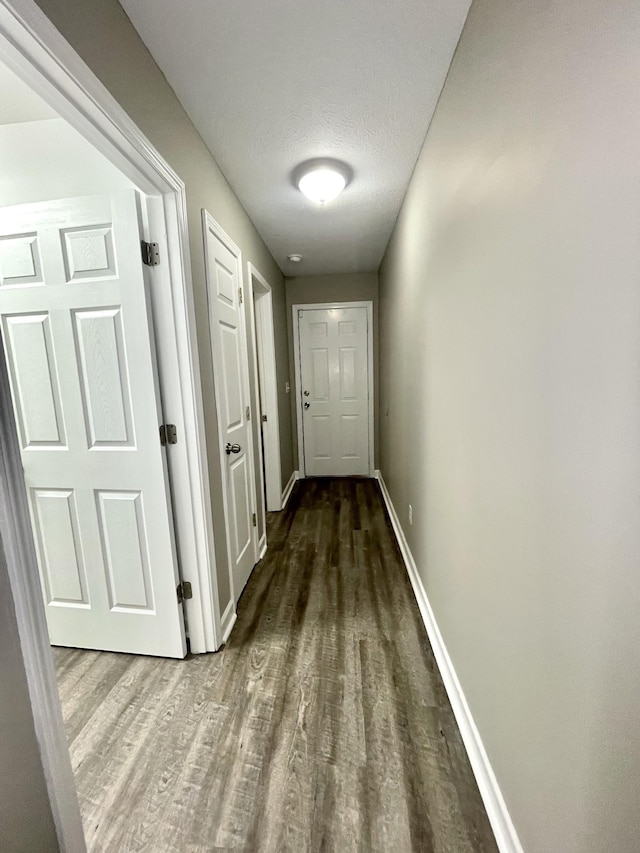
(306, 405)
(232, 448)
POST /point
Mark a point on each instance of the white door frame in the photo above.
(313, 306)
(210, 224)
(266, 386)
(34, 49)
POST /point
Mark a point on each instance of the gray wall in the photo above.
(104, 37)
(510, 357)
(26, 822)
(348, 287)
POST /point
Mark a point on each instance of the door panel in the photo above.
(319, 427)
(349, 427)
(240, 492)
(20, 263)
(334, 370)
(78, 340)
(58, 539)
(32, 368)
(319, 374)
(124, 545)
(231, 380)
(233, 398)
(347, 374)
(88, 253)
(104, 384)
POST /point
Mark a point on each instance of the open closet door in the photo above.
(78, 339)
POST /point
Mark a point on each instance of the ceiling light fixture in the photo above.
(295, 258)
(322, 180)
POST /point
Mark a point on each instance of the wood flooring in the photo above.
(323, 725)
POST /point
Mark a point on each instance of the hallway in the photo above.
(322, 725)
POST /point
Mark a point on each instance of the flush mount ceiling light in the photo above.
(295, 258)
(322, 180)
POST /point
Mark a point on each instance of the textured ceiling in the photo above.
(270, 83)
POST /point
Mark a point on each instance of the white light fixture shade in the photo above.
(322, 181)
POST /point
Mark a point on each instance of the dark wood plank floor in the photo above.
(322, 726)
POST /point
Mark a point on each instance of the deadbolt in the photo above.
(232, 448)
(306, 393)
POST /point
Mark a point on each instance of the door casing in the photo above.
(298, 380)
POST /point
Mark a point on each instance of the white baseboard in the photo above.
(262, 546)
(501, 823)
(289, 488)
(228, 620)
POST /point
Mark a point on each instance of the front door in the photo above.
(231, 380)
(78, 341)
(334, 397)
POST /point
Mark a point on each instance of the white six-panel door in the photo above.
(334, 392)
(79, 347)
(231, 379)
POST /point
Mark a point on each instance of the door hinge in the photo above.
(184, 591)
(168, 434)
(264, 419)
(248, 413)
(240, 292)
(150, 254)
(255, 520)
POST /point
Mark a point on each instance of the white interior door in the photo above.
(334, 392)
(231, 379)
(79, 348)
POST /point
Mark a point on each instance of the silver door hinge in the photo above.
(248, 413)
(184, 591)
(150, 254)
(255, 520)
(240, 292)
(168, 434)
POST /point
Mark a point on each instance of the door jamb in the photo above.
(194, 532)
(265, 380)
(210, 224)
(312, 306)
